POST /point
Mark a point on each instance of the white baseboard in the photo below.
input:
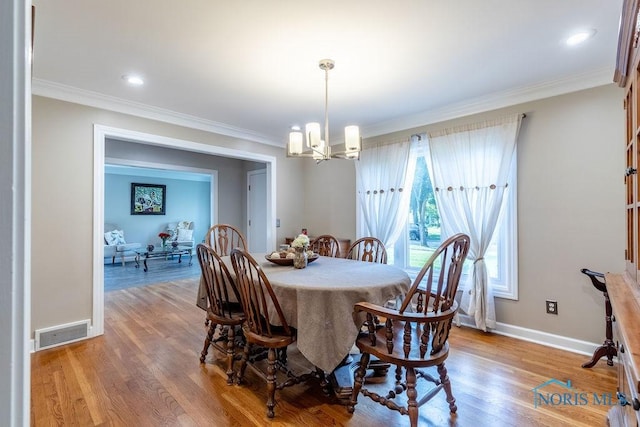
(544, 338)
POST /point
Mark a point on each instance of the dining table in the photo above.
(318, 301)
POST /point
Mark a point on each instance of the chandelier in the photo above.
(319, 148)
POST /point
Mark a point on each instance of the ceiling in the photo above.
(249, 68)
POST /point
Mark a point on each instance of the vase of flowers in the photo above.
(164, 236)
(300, 245)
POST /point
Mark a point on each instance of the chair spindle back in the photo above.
(257, 296)
(224, 237)
(220, 286)
(369, 249)
(326, 245)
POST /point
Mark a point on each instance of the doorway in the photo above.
(256, 209)
(101, 134)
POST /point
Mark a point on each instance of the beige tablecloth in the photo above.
(318, 301)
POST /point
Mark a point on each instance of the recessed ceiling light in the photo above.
(580, 37)
(133, 79)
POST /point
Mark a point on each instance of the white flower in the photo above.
(301, 241)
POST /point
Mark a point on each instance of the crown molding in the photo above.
(494, 101)
(477, 105)
(62, 92)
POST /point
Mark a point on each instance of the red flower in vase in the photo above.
(164, 236)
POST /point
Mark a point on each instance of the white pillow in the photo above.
(184, 235)
(114, 237)
(184, 224)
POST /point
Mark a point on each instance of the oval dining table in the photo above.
(318, 301)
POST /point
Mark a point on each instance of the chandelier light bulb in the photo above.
(295, 143)
(313, 134)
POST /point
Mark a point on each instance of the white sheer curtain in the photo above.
(381, 184)
(470, 166)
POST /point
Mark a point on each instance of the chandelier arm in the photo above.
(326, 110)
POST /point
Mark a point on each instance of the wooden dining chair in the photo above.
(326, 245)
(262, 310)
(369, 249)
(224, 237)
(415, 336)
(224, 308)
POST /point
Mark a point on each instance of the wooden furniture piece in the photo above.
(624, 294)
(623, 288)
(224, 308)
(368, 249)
(262, 313)
(415, 338)
(166, 252)
(608, 348)
(343, 243)
(325, 245)
(223, 238)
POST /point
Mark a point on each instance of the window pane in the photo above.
(424, 221)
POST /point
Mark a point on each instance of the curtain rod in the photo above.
(419, 136)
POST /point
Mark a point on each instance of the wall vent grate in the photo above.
(62, 334)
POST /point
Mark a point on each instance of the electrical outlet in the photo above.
(552, 307)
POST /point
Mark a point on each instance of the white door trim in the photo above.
(15, 212)
(100, 135)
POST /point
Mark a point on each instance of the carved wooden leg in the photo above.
(398, 374)
(271, 382)
(324, 383)
(358, 381)
(231, 337)
(282, 356)
(444, 379)
(207, 342)
(243, 363)
(412, 395)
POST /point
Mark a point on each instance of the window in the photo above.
(422, 234)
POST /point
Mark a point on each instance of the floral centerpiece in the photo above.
(164, 236)
(300, 245)
(302, 241)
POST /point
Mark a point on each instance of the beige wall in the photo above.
(62, 179)
(570, 201)
(570, 206)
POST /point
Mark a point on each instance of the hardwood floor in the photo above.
(118, 276)
(145, 371)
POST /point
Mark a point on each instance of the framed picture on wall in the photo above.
(148, 199)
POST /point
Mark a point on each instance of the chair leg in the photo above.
(324, 383)
(398, 374)
(412, 395)
(207, 342)
(271, 382)
(243, 363)
(230, 352)
(358, 381)
(444, 379)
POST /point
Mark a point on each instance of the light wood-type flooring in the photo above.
(145, 371)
